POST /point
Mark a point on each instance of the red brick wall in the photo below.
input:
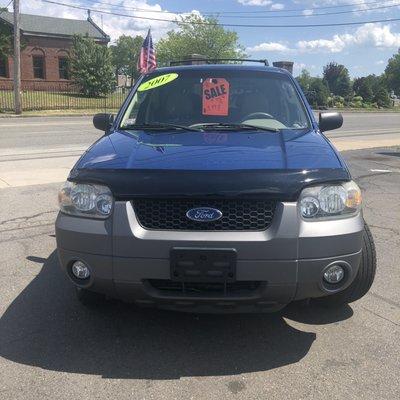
(52, 49)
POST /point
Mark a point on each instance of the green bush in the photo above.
(91, 67)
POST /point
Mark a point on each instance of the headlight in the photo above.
(85, 200)
(330, 201)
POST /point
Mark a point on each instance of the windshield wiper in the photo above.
(162, 126)
(233, 126)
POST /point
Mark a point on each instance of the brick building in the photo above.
(46, 45)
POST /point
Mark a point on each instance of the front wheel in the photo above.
(364, 279)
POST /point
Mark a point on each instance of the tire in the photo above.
(364, 278)
(89, 298)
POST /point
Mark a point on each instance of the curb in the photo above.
(46, 115)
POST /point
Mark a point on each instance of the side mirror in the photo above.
(103, 122)
(330, 120)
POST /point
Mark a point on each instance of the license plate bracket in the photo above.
(203, 265)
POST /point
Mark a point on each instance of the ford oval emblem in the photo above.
(204, 214)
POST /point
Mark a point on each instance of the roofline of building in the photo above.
(105, 38)
(59, 36)
(99, 29)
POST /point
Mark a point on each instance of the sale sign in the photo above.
(215, 96)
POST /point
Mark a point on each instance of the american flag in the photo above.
(147, 59)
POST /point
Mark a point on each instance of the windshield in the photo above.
(203, 98)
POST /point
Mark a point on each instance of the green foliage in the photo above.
(319, 91)
(315, 89)
(363, 87)
(338, 101)
(373, 90)
(381, 97)
(6, 41)
(392, 74)
(210, 40)
(367, 92)
(304, 80)
(91, 66)
(125, 54)
(337, 78)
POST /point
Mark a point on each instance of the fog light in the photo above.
(334, 274)
(80, 270)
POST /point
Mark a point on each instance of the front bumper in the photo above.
(288, 259)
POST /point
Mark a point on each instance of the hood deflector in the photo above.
(284, 185)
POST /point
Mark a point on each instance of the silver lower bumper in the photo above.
(288, 258)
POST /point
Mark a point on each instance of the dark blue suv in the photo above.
(215, 190)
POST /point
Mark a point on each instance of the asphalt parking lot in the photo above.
(52, 347)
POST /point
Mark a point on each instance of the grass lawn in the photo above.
(40, 100)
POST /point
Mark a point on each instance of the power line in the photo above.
(313, 14)
(175, 21)
(222, 14)
(107, 3)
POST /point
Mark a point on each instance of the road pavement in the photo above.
(51, 347)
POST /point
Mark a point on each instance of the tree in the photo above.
(363, 87)
(91, 66)
(381, 97)
(338, 79)
(315, 89)
(380, 94)
(125, 54)
(372, 89)
(320, 91)
(304, 80)
(392, 74)
(7, 42)
(210, 40)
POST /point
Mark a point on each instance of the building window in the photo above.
(38, 67)
(3, 68)
(63, 68)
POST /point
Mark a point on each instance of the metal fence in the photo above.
(57, 96)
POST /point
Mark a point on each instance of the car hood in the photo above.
(210, 151)
(209, 162)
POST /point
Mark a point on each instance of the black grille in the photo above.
(239, 288)
(237, 214)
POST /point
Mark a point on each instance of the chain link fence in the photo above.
(37, 95)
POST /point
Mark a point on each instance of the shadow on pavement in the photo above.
(46, 327)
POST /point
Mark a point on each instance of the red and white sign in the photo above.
(215, 96)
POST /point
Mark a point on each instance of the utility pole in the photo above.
(17, 59)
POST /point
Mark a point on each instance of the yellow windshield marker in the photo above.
(156, 82)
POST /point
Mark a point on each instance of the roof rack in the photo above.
(190, 61)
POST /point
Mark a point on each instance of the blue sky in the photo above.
(363, 49)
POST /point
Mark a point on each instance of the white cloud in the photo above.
(357, 4)
(334, 45)
(308, 12)
(269, 46)
(298, 67)
(255, 2)
(379, 62)
(258, 3)
(113, 25)
(368, 35)
(277, 6)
